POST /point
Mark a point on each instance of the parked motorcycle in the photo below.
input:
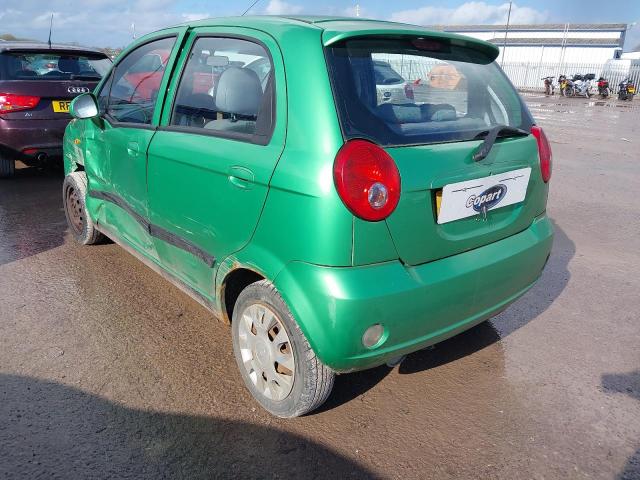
(549, 87)
(626, 90)
(603, 87)
(579, 85)
(563, 83)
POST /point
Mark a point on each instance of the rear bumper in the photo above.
(32, 136)
(418, 306)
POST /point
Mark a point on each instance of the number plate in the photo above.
(61, 106)
(475, 197)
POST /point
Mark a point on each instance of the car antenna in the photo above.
(250, 7)
(50, 28)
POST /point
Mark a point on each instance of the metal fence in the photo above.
(528, 76)
(524, 75)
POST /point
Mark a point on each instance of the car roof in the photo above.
(271, 23)
(335, 29)
(54, 48)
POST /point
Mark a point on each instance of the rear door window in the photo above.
(226, 89)
(413, 91)
(135, 84)
(52, 65)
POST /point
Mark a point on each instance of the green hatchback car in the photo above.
(252, 163)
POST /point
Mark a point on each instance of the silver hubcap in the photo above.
(266, 352)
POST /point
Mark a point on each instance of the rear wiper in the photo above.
(491, 135)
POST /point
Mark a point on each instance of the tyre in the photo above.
(74, 192)
(7, 167)
(275, 359)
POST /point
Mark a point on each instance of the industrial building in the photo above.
(550, 43)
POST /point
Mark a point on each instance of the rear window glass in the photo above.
(40, 65)
(415, 91)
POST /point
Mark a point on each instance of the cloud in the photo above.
(354, 11)
(192, 17)
(98, 23)
(278, 7)
(470, 13)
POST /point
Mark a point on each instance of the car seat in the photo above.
(68, 65)
(238, 96)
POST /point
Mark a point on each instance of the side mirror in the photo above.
(84, 106)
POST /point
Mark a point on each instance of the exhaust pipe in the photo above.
(396, 361)
(41, 157)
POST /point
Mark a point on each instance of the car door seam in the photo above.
(155, 230)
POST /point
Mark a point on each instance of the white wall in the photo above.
(535, 54)
(546, 34)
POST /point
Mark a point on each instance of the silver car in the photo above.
(390, 86)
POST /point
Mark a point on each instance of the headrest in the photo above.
(401, 113)
(239, 91)
(68, 65)
(440, 112)
(411, 113)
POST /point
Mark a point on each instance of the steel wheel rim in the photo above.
(75, 210)
(266, 352)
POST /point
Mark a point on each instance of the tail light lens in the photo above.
(544, 151)
(367, 180)
(408, 91)
(13, 103)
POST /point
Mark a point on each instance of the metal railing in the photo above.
(528, 75)
(525, 76)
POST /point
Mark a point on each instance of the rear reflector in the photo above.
(544, 151)
(13, 103)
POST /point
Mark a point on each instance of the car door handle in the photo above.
(133, 149)
(241, 177)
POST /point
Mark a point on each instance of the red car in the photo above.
(37, 83)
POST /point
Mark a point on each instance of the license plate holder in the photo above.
(475, 197)
(61, 106)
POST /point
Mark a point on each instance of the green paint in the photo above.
(274, 208)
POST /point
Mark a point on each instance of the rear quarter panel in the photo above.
(303, 217)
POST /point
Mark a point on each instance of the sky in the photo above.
(105, 23)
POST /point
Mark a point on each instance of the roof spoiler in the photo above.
(332, 36)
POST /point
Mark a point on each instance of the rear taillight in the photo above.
(13, 103)
(367, 180)
(408, 91)
(544, 151)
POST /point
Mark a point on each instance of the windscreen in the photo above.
(449, 92)
(39, 65)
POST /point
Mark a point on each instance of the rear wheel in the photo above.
(275, 359)
(7, 167)
(74, 192)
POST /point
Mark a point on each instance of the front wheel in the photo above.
(7, 167)
(74, 192)
(275, 359)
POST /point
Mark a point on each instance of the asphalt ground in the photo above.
(108, 371)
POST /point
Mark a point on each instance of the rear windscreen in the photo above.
(449, 92)
(38, 65)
